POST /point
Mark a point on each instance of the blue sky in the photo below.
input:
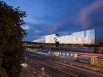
(60, 16)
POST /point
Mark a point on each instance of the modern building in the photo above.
(39, 40)
(50, 38)
(82, 37)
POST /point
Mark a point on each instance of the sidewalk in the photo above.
(27, 72)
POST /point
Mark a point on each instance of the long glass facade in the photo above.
(82, 37)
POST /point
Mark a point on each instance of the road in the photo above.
(57, 69)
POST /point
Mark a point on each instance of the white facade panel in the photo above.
(90, 36)
(78, 34)
(50, 38)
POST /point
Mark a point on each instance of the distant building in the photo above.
(82, 37)
(87, 59)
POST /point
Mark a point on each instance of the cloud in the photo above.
(45, 29)
(37, 28)
(56, 26)
(91, 15)
(43, 18)
(26, 27)
(37, 31)
(41, 26)
(37, 19)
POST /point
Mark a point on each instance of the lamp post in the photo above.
(42, 72)
(49, 53)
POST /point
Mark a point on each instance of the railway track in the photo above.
(56, 69)
(52, 70)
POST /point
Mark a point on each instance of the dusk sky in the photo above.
(60, 16)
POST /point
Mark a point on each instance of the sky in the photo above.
(46, 17)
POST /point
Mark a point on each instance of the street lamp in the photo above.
(42, 71)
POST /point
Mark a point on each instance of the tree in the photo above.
(3, 73)
(11, 35)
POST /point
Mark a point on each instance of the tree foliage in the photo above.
(3, 73)
(11, 35)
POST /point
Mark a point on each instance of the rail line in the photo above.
(56, 69)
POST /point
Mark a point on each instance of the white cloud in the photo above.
(35, 20)
(26, 27)
(85, 15)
